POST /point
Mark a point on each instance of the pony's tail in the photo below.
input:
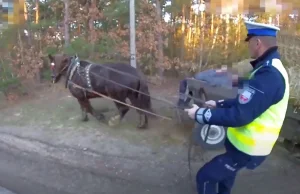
(144, 100)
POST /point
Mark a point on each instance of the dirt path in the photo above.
(57, 110)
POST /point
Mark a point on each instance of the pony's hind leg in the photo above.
(123, 109)
(84, 115)
(143, 118)
(143, 121)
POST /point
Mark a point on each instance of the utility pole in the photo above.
(132, 34)
(66, 23)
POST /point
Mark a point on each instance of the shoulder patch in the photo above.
(246, 95)
(207, 115)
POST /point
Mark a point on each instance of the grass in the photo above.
(294, 76)
(290, 52)
(5, 84)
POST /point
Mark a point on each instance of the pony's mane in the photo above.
(87, 61)
(106, 63)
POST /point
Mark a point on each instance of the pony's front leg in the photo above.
(89, 109)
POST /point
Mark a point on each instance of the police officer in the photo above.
(254, 118)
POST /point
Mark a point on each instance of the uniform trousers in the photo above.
(218, 175)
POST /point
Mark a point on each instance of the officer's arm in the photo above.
(225, 103)
(265, 92)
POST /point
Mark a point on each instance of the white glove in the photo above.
(192, 111)
(211, 104)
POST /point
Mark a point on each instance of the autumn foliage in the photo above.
(99, 30)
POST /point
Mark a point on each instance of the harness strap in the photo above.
(72, 71)
(88, 77)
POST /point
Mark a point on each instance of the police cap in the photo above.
(260, 29)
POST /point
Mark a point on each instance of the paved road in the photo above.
(5, 191)
(29, 166)
(30, 173)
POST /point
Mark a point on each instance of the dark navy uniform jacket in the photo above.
(269, 87)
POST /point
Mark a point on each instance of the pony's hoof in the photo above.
(100, 117)
(85, 119)
(142, 126)
(84, 116)
(143, 123)
(113, 121)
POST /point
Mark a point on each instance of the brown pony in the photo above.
(96, 77)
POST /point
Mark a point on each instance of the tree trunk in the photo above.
(227, 35)
(160, 39)
(92, 14)
(213, 45)
(195, 36)
(239, 28)
(182, 34)
(37, 9)
(25, 11)
(212, 25)
(27, 20)
(202, 22)
(66, 24)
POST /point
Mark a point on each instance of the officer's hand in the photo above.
(210, 104)
(192, 111)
